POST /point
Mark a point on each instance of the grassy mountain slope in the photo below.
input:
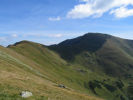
(55, 68)
(69, 48)
(19, 73)
(100, 53)
(93, 64)
(98, 50)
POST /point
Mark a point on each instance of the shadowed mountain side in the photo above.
(115, 57)
(89, 42)
(98, 52)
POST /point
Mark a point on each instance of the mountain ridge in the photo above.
(94, 64)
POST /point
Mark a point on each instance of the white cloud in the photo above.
(14, 35)
(122, 12)
(54, 18)
(3, 39)
(56, 35)
(83, 0)
(43, 34)
(96, 8)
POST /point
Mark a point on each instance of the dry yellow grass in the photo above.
(16, 76)
(38, 86)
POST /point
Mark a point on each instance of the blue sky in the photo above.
(52, 21)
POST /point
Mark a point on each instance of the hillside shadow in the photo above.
(90, 42)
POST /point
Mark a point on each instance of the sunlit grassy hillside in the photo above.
(19, 73)
(90, 67)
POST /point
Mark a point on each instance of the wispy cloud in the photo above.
(6, 38)
(122, 12)
(56, 35)
(14, 35)
(3, 39)
(96, 8)
(54, 18)
(43, 35)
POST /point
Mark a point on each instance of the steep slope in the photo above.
(57, 70)
(89, 64)
(100, 53)
(19, 73)
(89, 42)
(98, 50)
